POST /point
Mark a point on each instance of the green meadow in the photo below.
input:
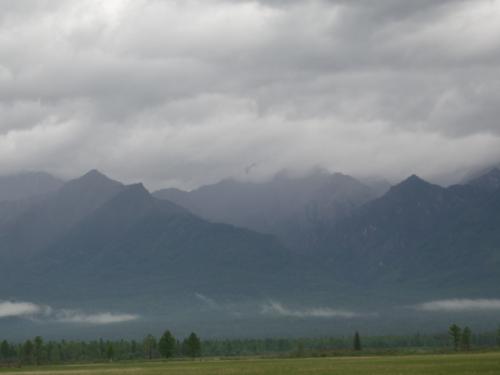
(437, 364)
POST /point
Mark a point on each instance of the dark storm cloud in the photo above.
(184, 93)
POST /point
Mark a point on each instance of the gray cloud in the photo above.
(460, 305)
(184, 93)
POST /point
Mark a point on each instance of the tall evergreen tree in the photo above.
(4, 350)
(455, 332)
(149, 343)
(357, 341)
(102, 348)
(38, 350)
(498, 336)
(27, 351)
(55, 353)
(466, 337)
(110, 352)
(192, 346)
(133, 347)
(166, 345)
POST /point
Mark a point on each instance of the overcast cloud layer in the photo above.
(188, 92)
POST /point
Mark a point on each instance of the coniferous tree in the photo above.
(4, 350)
(133, 347)
(37, 350)
(498, 336)
(192, 346)
(357, 341)
(55, 353)
(50, 351)
(167, 344)
(149, 343)
(455, 332)
(27, 351)
(110, 352)
(466, 337)
(102, 349)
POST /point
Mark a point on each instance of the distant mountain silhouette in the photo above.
(489, 180)
(289, 207)
(42, 220)
(420, 233)
(95, 234)
(97, 242)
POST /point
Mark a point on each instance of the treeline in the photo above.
(37, 351)
(319, 346)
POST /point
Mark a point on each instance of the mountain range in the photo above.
(237, 254)
(288, 207)
(423, 235)
(97, 228)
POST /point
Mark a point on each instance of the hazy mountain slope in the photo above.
(289, 207)
(139, 244)
(19, 192)
(10, 210)
(422, 234)
(488, 181)
(25, 185)
(96, 230)
(43, 219)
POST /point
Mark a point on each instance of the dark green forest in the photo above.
(37, 351)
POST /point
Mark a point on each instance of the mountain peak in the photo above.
(414, 180)
(135, 200)
(94, 177)
(489, 181)
(137, 189)
(93, 172)
(92, 186)
(413, 184)
(414, 177)
(133, 193)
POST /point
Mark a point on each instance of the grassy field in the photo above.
(460, 364)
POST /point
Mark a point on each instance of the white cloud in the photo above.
(74, 316)
(39, 312)
(12, 309)
(460, 305)
(278, 309)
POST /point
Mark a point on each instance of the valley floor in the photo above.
(456, 364)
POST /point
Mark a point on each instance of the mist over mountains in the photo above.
(289, 256)
(289, 207)
(25, 185)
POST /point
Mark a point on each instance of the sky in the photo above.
(184, 93)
